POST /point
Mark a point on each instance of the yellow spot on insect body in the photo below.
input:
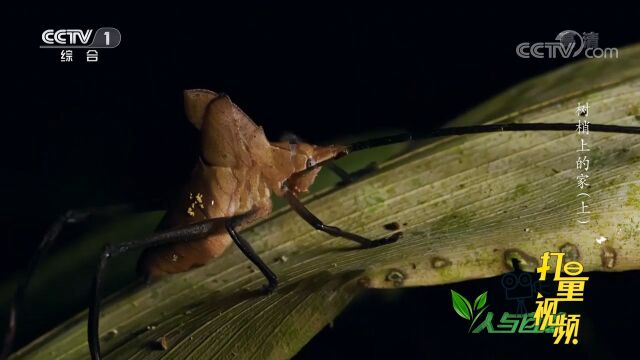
(198, 202)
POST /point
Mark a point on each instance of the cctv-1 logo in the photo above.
(104, 37)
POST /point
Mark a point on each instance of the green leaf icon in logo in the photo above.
(464, 309)
(461, 305)
(480, 301)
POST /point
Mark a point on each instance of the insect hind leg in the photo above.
(51, 235)
(186, 233)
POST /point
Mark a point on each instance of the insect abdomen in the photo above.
(181, 257)
(212, 192)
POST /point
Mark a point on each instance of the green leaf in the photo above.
(480, 301)
(461, 305)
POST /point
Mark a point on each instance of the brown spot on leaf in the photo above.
(161, 343)
(608, 257)
(364, 281)
(439, 262)
(396, 276)
(111, 334)
(571, 251)
(392, 226)
(525, 261)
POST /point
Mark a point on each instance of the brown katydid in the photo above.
(230, 188)
(236, 173)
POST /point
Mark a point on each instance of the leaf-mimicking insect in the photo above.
(229, 189)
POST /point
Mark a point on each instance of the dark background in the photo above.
(78, 134)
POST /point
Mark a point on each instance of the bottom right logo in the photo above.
(548, 317)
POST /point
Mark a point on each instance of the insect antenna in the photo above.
(474, 129)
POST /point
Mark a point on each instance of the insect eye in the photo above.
(310, 162)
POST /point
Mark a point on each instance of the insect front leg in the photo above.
(248, 251)
(305, 214)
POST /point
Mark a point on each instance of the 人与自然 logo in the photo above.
(521, 286)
